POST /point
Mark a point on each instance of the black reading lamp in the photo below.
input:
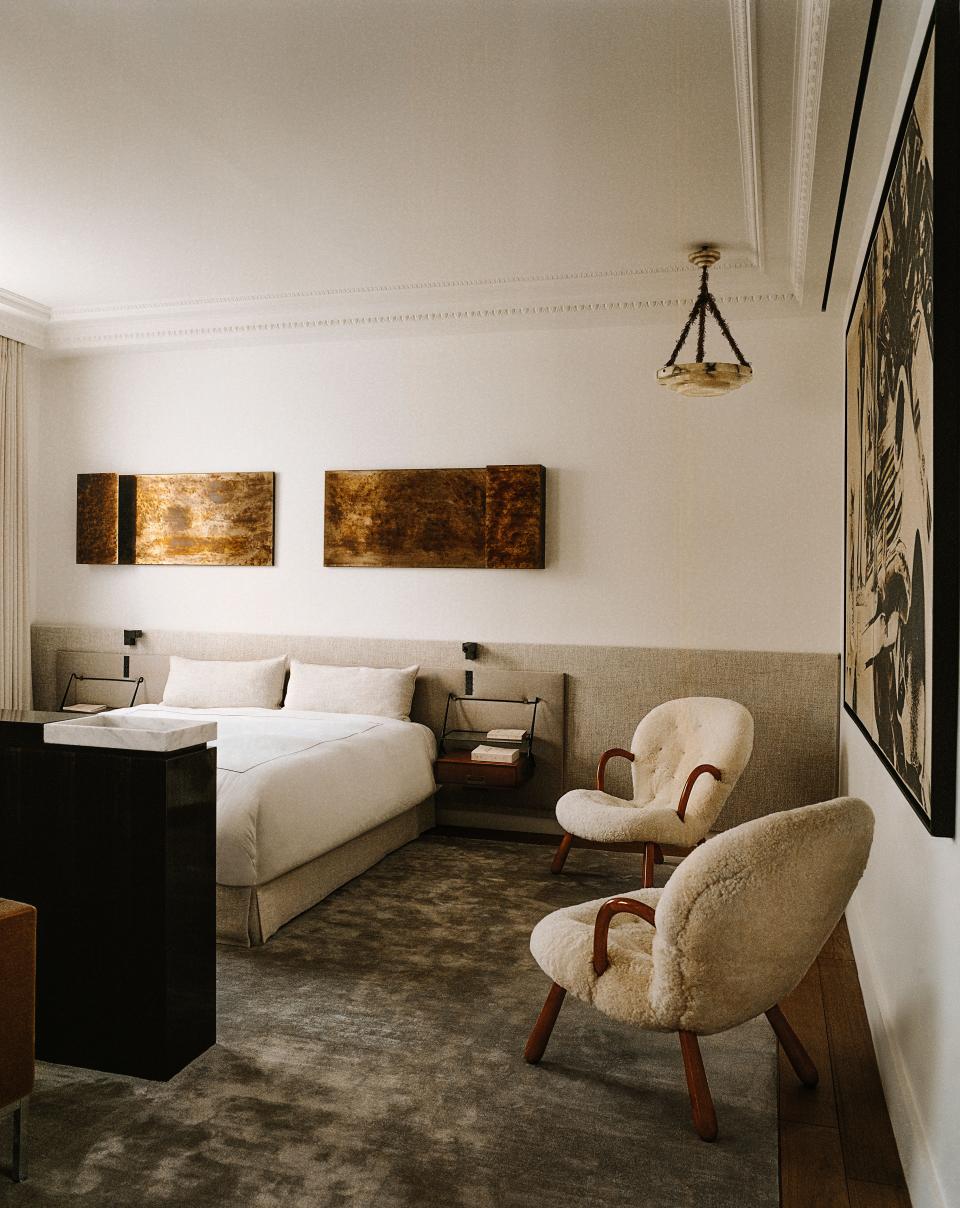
(129, 639)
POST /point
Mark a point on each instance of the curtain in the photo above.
(15, 691)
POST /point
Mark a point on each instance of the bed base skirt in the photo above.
(249, 914)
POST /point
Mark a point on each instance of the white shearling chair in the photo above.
(686, 757)
(737, 927)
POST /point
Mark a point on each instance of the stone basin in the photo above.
(129, 732)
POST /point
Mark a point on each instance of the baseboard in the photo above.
(919, 1167)
(490, 817)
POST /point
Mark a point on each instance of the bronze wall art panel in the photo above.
(515, 515)
(175, 519)
(97, 518)
(475, 517)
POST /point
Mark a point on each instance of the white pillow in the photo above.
(205, 684)
(384, 691)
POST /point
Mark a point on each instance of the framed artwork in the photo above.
(902, 589)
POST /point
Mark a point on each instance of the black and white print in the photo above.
(889, 667)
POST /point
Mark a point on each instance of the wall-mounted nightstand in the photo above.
(455, 763)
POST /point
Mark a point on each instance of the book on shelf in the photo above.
(84, 707)
(508, 735)
(485, 754)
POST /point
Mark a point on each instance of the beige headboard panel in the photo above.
(794, 698)
(434, 685)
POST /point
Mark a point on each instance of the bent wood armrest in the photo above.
(607, 755)
(602, 926)
(692, 779)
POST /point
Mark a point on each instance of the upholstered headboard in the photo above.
(594, 697)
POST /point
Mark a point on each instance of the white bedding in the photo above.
(292, 785)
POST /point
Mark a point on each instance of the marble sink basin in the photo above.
(128, 732)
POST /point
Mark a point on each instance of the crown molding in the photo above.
(813, 16)
(743, 23)
(248, 321)
(305, 297)
(23, 319)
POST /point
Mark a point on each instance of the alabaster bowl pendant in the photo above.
(702, 378)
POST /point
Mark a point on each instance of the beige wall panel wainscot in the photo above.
(793, 699)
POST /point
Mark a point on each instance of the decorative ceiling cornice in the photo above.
(301, 297)
(77, 337)
(812, 38)
(743, 22)
(23, 319)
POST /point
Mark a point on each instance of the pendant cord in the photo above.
(705, 301)
(722, 324)
(683, 334)
(702, 300)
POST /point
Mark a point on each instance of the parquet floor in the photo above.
(837, 1148)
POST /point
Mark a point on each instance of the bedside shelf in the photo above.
(459, 767)
(455, 764)
(461, 740)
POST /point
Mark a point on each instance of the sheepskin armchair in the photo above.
(738, 925)
(686, 756)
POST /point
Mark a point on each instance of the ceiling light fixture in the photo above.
(702, 377)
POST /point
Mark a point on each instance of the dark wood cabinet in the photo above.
(117, 851)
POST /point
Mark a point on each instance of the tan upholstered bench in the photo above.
(18, 943)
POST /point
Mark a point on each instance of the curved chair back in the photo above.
(678, 736)
(744, 916)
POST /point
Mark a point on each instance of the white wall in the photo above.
(671, 522)
(904, 926)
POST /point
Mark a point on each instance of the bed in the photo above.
(306, 801)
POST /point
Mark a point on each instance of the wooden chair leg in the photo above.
(658, 857)
(701, 1102)
(797, 1055)
(649, 855)
(536, 1044)
(560, 856)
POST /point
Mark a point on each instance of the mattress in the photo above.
(293, 785)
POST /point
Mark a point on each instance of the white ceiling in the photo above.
(369, 157)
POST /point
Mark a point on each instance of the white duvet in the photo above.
(292, 785)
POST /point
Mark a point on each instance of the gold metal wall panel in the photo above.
(470, 517)
(404, 518)
(204, 520)
(515, 514)
(97, 504)
(222, 519)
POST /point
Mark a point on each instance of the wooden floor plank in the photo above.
(811, 1167)
(838, 946)
(869, 1148)
(875, 1195)
(803, 1008)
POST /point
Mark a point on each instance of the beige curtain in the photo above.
(15, 692)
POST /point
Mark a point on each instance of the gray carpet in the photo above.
(370, 1055)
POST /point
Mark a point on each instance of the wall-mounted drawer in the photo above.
(457, 767)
